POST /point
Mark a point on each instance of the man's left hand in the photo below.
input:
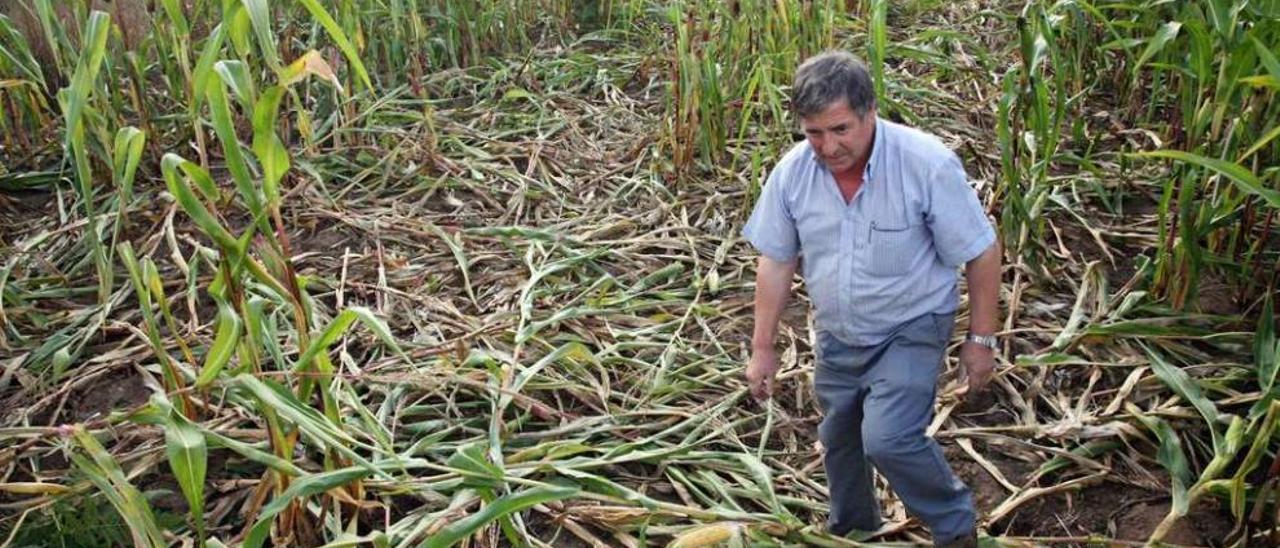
(979, 364)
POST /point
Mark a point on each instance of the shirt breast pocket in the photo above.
(893, 247)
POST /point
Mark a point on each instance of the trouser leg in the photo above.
(849, 480)
(897, 410)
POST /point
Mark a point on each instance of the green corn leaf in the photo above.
(173, 9)
(1270, 136)
(151, 278)
(1223, 16)
(170, 166)
(1201, 55)
(305, 486)
(661, 276)
(271, 152)
(572, 350)
(127, 154)
(135, 269)
(1225, 454)
(240, 30)
(502, 507)
(1242, 177)
(15, 49)
(161, 408)
(105, 473)
(44, 11)
(1088, 450)
(224, 126)
(1166, 34)
(138, 276)
(255, 328)
(259, 13)
(477, 471)
(74, 101)
(878, 44)
(1173, 459)
(204, 67)
(188, 459)
(311, 422)
(1267, 55)
(224, 345)
(1266, 356)
(338, 326)
(236, 76)
(1148, 327)
(254, 454)
(1187, 388)
(125, 157)
(1261, 440)
(339, 38)
(763, 477)
(1032, 45)
(86, 74)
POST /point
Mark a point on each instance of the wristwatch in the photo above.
(988, 341)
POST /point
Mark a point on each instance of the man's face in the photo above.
(839, 136)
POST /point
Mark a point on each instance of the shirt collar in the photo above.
(877, 150)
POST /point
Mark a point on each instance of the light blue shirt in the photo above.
(889, 255)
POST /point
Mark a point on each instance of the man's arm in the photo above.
(983, 276)
(773, 287)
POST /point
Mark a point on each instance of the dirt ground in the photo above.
(1107, 509)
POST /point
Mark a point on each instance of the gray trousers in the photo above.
(877, 402)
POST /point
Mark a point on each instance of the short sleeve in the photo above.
(771, 229)
(956, 219)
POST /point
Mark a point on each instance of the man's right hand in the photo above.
(761, 372)
(773, 285)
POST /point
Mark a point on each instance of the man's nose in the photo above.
(829, 147)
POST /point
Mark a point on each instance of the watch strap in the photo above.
(988, 341)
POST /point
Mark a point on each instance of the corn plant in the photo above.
(1248, 436)
(1032, 111)
(74, 102)
(1221, 190)
(735, 55)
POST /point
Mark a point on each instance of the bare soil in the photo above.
(120, 389)
(1111, 510)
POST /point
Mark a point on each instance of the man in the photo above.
(882, 216)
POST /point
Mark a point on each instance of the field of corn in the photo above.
(428, 272)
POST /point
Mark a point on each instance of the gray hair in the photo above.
(828, 77)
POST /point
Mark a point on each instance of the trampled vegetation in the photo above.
(418, 272)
